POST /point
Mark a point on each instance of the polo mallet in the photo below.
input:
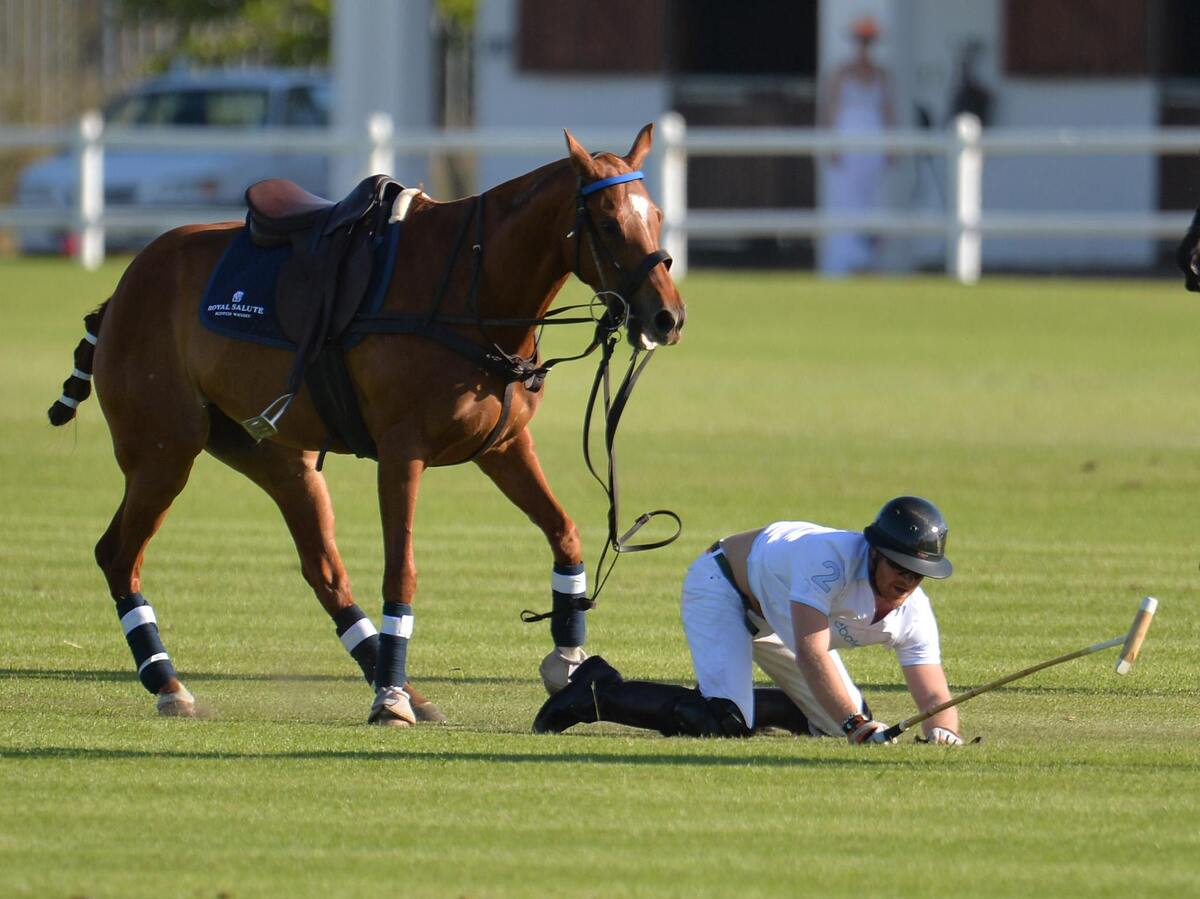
(1130, 643)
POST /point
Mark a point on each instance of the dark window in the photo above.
(582, 36)
(1073, 38)
(746, 37)
(305, 107)
(1178, 31)
(219, 108)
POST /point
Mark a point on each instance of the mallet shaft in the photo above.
(896, 729)
(1130, 642)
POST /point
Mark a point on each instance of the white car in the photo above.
(241, 98)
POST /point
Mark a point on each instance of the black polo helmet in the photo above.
(912, 533)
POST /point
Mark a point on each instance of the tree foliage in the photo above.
(220, 32)
(268, 32)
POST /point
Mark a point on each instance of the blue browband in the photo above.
(609, 182)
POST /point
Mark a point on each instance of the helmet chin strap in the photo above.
(873, 557)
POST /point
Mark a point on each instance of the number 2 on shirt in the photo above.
(825, 582)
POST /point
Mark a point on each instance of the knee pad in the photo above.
(699, 716)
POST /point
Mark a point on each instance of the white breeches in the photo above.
(724, 653)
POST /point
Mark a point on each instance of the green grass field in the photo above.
(1055, 422)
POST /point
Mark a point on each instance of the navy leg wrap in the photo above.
(360, 638)
(393, 645)
(568, 626)
(154, 666)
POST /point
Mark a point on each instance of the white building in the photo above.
(584, 65)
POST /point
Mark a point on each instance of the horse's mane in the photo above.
(536, 179)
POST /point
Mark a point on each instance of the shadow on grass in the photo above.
(858, 759)
(424, 680)
(201, 676)
(518, 758)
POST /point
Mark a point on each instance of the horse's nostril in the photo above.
(664, 322)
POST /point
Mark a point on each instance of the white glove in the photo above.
(944, 736)
(859, 729)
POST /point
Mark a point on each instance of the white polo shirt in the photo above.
(796, 561)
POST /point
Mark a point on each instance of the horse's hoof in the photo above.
(391, 708)
(556, 669)
(180, 704)
(428, 713)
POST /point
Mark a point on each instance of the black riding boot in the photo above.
(773, 708)
(597, 692)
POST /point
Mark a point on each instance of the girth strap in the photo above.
(333, 393)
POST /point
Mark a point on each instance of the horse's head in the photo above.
(614, 243)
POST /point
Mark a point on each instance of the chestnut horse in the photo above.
(170, 388)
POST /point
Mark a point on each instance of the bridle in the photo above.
(584, 224)
(515, 368)
(614, 406)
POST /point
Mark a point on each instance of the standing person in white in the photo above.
(856, 101)
(788, 596)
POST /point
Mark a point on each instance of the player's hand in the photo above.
(943, 736)
(860, 729)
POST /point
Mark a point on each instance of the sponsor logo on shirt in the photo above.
(844, 633)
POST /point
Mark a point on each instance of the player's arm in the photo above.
(811, 629)
(928, 687)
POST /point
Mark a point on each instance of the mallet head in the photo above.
(1137, 633)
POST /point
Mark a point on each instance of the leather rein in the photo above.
(514, 368)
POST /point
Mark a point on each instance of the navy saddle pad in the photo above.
(240, 300)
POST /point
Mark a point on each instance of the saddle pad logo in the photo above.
(235, 308)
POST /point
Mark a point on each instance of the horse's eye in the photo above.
(610, 227)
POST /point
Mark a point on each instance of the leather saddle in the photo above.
(323, 283)
(319, 290)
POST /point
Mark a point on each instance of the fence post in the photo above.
(380, 130)
(674, 192)
(964, 249)
(90, 201)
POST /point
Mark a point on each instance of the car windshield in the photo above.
(231, 108)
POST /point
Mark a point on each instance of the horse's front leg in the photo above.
(515, 469)
(400, 473)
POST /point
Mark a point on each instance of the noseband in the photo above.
(631, 281)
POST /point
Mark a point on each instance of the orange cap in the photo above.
(865, 28)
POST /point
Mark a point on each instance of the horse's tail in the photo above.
(78, 387)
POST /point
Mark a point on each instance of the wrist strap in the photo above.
(853, 723)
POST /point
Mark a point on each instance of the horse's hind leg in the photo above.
(290, 478)
(155, 472)
(515, 469)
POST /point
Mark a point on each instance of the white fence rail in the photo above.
(964, 223)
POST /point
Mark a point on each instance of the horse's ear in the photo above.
(581, 158)
(641, 146)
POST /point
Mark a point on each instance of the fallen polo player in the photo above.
(788, 596)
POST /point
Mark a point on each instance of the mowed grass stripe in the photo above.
(1057, 423)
